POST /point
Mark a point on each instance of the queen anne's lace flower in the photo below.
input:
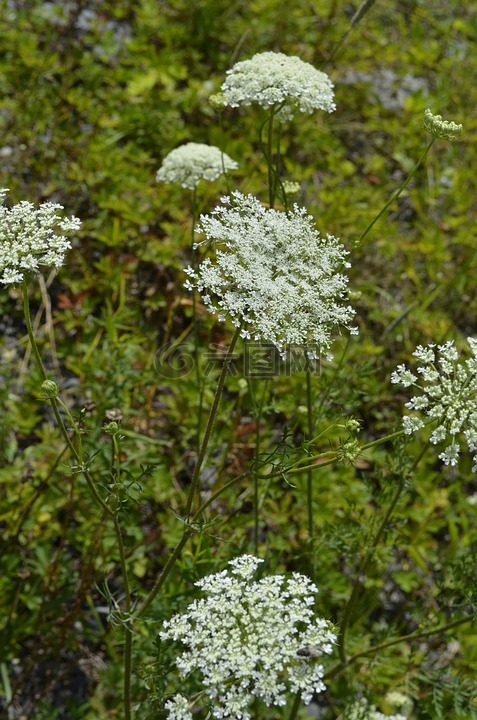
(275, 80)
(443, 129)
(274, 272)
(251, 640)
(190, 163)
(448, 394)
(29, 238)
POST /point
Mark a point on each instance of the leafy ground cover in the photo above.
(93, 96)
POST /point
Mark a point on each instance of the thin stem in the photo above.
(396, 194)
(395, 641)
(188, 532)
(309, 475)
(210, 422)
(195, 329)
(127, 659)
(31, 335)
(256, 478)
(364, 565)
(77, 454)
(271, 176)
(295, 707)
(360, 12)
(127, 627)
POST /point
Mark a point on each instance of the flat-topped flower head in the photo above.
(192, 162)
(443, 129)
(273, 274)
(31, 237)
(273, 79)
(250, 640)
(447, 394)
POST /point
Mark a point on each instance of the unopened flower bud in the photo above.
(49, 389)
(217, 101)
(111, 428)
(291, 188)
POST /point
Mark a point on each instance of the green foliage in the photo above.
(92, 97)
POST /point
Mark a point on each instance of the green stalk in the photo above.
(210, 423)
(295, 707)
(189, 531)
(77, 455)
(309, 475)
(271, 175)
(195, 329)
(396, 194)
(364, 565)
(360, 12)
(127, 659)
(417, 635)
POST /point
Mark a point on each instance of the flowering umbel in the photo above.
(192, 162)
(443, 129)
(250, 639)
(273, 272)
(30, 237)
(447, 395)
(273, 79)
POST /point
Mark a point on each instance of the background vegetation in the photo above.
(92, 96)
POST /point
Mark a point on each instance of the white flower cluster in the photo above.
(448, 394)
(28, 238)
(362, 710)
(274, 272)
(443, 129)
(192, 162)
(250, 640)
(274, 80)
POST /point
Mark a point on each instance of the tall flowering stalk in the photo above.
(31, 238)
(187, 165)
(440, 130)
(283, 86)
(277, 278)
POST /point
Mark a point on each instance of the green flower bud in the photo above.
(111, 428)
(217, 101)
(49, 389)
(291, 188)
(443, 129)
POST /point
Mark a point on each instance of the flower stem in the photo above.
(396, 194)
(295, 707)
(417, 635)
(210, 422)
(77, 454)
(364, 565)
(309, 475)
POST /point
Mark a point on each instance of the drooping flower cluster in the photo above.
(273, 79)
(250, 639)
(192, 162)
(448, 394)
(29, 238)
(274, 272)
(362, 710)
(443, 129)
